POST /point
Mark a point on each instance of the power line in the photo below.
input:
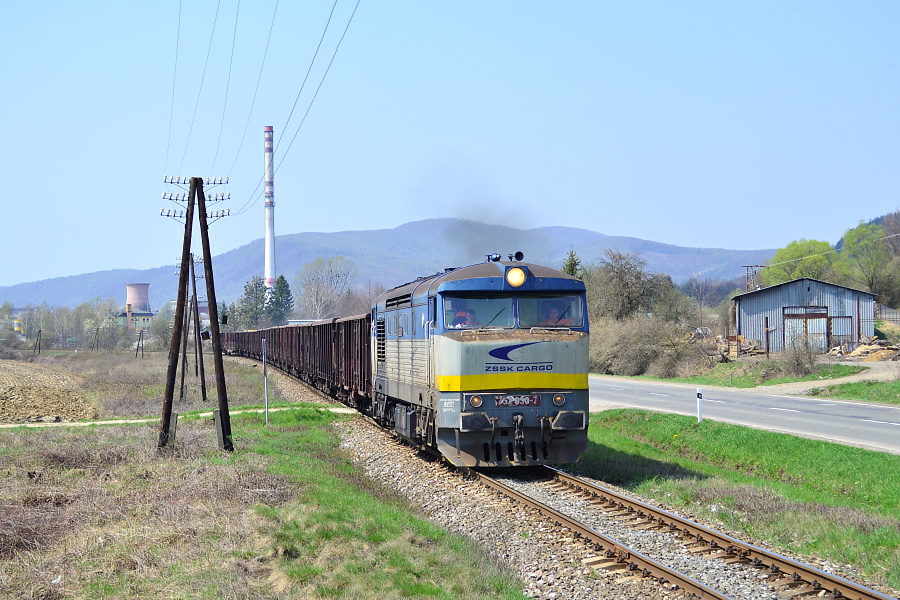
(237, 15)
(200, 91)
(308, 108)
(309, 69)
(255, 91)
(832, 251)
(174, 80)
(253, 195)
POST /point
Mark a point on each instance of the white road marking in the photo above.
(881, 422)
(784, 409)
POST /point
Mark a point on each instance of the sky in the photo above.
(737, 125)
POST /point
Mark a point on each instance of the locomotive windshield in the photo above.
(478, 311)
(545, 310)
(550, 311)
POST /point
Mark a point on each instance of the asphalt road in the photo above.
(871, 426)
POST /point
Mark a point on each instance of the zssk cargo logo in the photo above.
(511, 365)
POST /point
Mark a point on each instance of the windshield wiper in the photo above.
(495, 316)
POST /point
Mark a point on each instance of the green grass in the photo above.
(740, 375)
(350, 538)
(811, 497)
(867, 391)
(286, 515)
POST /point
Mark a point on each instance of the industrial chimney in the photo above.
(270, 210)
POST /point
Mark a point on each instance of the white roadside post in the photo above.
(265, 380)
(699, 403)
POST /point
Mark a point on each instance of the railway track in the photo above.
(610, 554)
(596, 550)
(790, 578)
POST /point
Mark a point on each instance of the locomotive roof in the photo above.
(450, 279)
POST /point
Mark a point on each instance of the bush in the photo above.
(797, 360)
(626, 347)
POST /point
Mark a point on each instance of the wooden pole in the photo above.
(186, 329)
(175, 342)
(198, 339)
(226, 442)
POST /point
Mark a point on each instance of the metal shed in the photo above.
(824, 315)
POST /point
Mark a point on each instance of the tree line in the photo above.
(91, 324)
(867, 257)
(327, 288)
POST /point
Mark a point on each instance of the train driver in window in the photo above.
(459, 317)
(471, 320)
(553, 317)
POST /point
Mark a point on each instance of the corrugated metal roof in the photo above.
(772, 287)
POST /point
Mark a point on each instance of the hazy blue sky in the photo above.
(713, 124)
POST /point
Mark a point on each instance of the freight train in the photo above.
(486, 364)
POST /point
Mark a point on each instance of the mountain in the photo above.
(393, 256)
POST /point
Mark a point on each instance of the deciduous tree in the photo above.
(800, 258)
(864, 258)
(619, 287)
(321, 284)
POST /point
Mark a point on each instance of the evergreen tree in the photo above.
(572, 265)
(280, 303)
(250, 310)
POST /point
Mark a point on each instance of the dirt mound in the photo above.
(30, 392)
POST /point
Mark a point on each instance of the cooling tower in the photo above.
(138, 296)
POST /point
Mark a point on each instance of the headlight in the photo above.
(559, 399)
(475, 401)
(515, 277)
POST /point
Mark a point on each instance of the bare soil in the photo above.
(33, 393)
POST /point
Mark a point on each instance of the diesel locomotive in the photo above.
(487, 364)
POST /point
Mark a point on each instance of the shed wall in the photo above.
(850, 314)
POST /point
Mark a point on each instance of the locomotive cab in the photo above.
(487, 363)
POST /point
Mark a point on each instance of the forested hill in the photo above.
(394, 256)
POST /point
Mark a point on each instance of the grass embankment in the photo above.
(753, 374)
(811, 497)
(97, 513)
(865, 391)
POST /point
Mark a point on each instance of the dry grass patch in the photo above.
(97, 513)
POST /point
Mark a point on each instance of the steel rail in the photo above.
(804, 579)
(613, 552)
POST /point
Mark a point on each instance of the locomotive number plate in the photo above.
(529, 400)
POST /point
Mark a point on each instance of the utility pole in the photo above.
(223, 418)
(198, 338)
(180, 321)
(750, 278)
